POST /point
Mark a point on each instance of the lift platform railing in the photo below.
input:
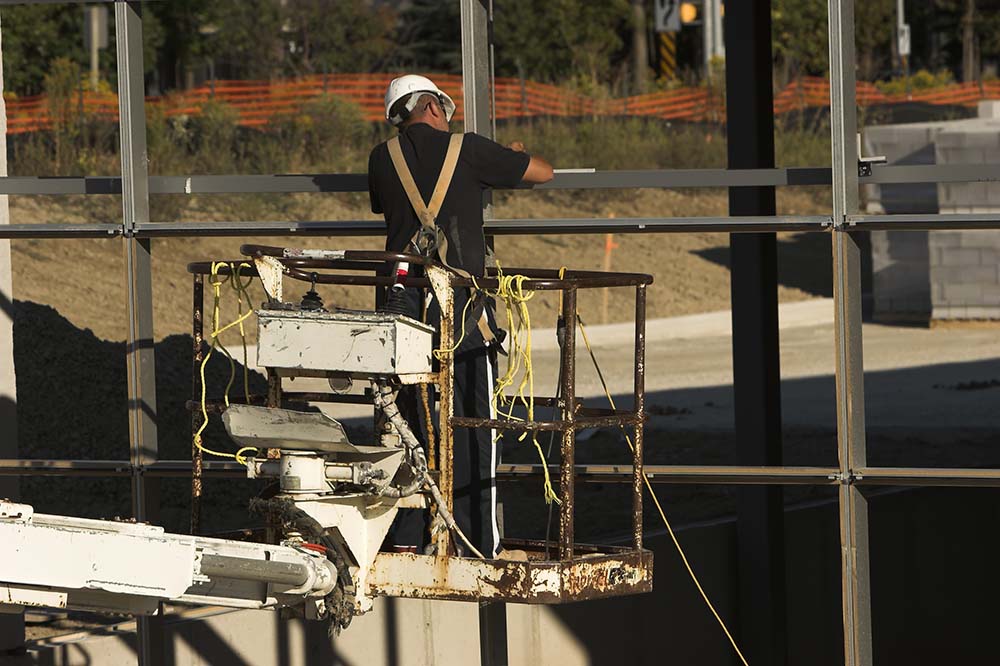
(574, 417)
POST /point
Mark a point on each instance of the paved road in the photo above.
(689, 364)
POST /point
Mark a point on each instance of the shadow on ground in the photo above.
(804, 262)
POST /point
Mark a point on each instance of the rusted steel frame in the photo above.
(639, 405)
(568, 393)
(348, 255)
(602, 573)
(554, 402)
(555, 284)
(274, 398)
(541, 280)
(218, 405)
(446, 387)
(197, 355)
(205, 267)
(425, 400)
(579, 423)
(577, 276)
(682, 474)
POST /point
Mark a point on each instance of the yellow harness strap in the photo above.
(427, 212)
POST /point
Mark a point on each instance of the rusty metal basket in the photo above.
(579, 571)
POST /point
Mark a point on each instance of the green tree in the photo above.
(338, 35)
(33, 37)
(801, 44)
(248, 35)
(181, 44)
(799, 37)
(556, 40)
(430, 36)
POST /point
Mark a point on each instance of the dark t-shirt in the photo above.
(482, 164)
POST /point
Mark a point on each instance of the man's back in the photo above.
(482, 164)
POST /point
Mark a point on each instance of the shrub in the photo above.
(920, 80)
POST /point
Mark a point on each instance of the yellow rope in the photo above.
(235, 280)
(659, 507)
(511, 292)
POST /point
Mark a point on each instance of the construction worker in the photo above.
(403, 175)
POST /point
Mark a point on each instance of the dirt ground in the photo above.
(84, 279)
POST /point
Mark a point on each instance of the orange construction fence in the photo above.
(259, 102)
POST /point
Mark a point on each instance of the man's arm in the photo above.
(539, 171)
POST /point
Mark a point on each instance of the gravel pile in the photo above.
(72, 404)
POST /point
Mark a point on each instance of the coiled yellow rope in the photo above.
(235, 280)
(511, 292)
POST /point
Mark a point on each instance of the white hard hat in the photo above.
(413, 83)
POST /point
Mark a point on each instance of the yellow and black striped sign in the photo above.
(666, 49)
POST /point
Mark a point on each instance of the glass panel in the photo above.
(69, 349)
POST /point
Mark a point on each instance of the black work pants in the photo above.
(476, 450)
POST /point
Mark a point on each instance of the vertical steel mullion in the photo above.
(847, 328)
(140, 352)
(476, 32)
(476, 66)
(477, 61)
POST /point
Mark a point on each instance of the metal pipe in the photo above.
(197, 356)
(567, 452)
(293, 574)
(446, 409)
(639, 406)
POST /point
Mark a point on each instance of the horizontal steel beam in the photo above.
(709, 474)
(58, 230)
(930, 221)
(679, 474)
(933, 173)
(579, 180)
(919, 476)
(496, 227)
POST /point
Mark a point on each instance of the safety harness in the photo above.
(431, 238)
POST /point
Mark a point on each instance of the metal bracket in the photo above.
(865, 163)
(845, 478)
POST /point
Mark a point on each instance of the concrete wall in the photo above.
(935, 583)
(937, 275)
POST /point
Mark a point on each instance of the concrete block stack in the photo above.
(938, 274)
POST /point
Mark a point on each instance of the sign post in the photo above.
(668, 23)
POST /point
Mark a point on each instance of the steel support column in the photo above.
(477, 29)
(140, 353)
(847, 323)
(756, 368)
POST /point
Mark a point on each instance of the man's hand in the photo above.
(516, 146)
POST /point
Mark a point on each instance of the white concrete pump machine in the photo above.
(336, 498)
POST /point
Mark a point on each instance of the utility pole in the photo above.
(640, 48)
(903, 43)
(969, 69)
(713, 35)
(95, 38)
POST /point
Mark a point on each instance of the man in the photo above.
(425, 151)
